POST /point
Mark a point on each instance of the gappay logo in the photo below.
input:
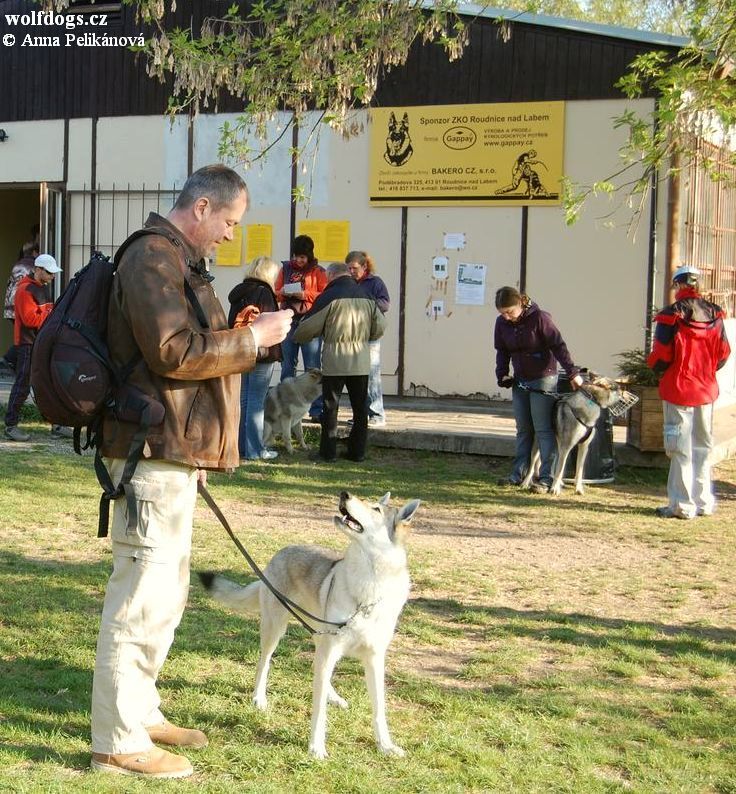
(459, 138)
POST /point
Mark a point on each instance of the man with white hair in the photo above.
(690, 345)
(33, 305)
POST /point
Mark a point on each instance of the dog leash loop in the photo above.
(285, 601)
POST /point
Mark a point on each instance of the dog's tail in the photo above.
(241, 599)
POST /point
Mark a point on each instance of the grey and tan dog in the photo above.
(575, 417)
(285, 406)
(365, 588)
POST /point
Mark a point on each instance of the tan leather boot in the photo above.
(173, 735)
(148, 763)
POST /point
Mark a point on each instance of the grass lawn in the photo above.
(550, 644)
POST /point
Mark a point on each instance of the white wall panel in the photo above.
(33, 152)
(592, 276)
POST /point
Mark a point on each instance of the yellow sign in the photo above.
(229, 252)
(258, 240)
(331, 239)
(497, 154)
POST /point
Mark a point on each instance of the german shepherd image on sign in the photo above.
(398, 142)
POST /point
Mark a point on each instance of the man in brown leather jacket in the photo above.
(163, 306)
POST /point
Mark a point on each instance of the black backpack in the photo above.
(76, 384)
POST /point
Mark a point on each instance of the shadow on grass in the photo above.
(588, 630)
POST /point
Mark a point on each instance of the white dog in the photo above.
(365, 590)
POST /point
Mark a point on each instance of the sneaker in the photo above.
(508, 481)
(269, 454)
(154, 763)
(539, 487)
(315, 419)
(668, 512)
(14, 433)
(173, 735)
(59, 431)
(376, 421)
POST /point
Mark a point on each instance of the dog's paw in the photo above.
(320, 753)
(260, 702)
(556, 490)
(391, 749)
(580, 491)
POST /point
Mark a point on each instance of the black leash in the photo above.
(286, 602)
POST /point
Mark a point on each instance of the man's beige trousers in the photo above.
(144, 602)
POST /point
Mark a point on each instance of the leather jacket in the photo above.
(193, 371)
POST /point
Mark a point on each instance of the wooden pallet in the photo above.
(644, 430)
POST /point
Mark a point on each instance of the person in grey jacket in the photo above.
(347, 320)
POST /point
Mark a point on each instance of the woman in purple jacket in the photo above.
(527, 338)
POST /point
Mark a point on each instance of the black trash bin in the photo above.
(600, 463)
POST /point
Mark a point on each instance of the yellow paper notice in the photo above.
(229, 252)
(258, 240)
(500, 154)
(331, 239)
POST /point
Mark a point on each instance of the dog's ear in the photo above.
(403, 517)
(384, 499)
(407, 511)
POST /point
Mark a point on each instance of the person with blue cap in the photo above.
(690, 345)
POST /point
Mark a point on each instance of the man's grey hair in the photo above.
(337, 269)
(218, 183)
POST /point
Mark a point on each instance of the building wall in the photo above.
(591, 277)
(33, 152)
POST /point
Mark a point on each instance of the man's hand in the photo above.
(202, 477)
(576, 382)
(506, 382)
(270, 328)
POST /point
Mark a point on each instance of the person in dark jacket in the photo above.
(248, 300)
(690, 345)
(362, 269)
(347, 320)
(527, 338)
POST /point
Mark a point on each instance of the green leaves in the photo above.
(297, 55)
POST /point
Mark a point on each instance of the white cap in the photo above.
(685, 270)
(48, 263)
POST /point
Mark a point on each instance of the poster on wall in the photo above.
(470, 287)
(258, 240)
(466, 155)
(229, 252)
(331, 239)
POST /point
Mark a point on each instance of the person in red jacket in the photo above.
(690, 345)
(33, 305)
(298, 285)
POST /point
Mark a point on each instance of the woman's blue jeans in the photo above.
(533, 414)
(375, 387)
(253, 389)
(311, 357)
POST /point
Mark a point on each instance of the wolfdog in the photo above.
(365, 590)
(285, 406)
(574, 419)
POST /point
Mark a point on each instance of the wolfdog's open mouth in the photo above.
(347, 519)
